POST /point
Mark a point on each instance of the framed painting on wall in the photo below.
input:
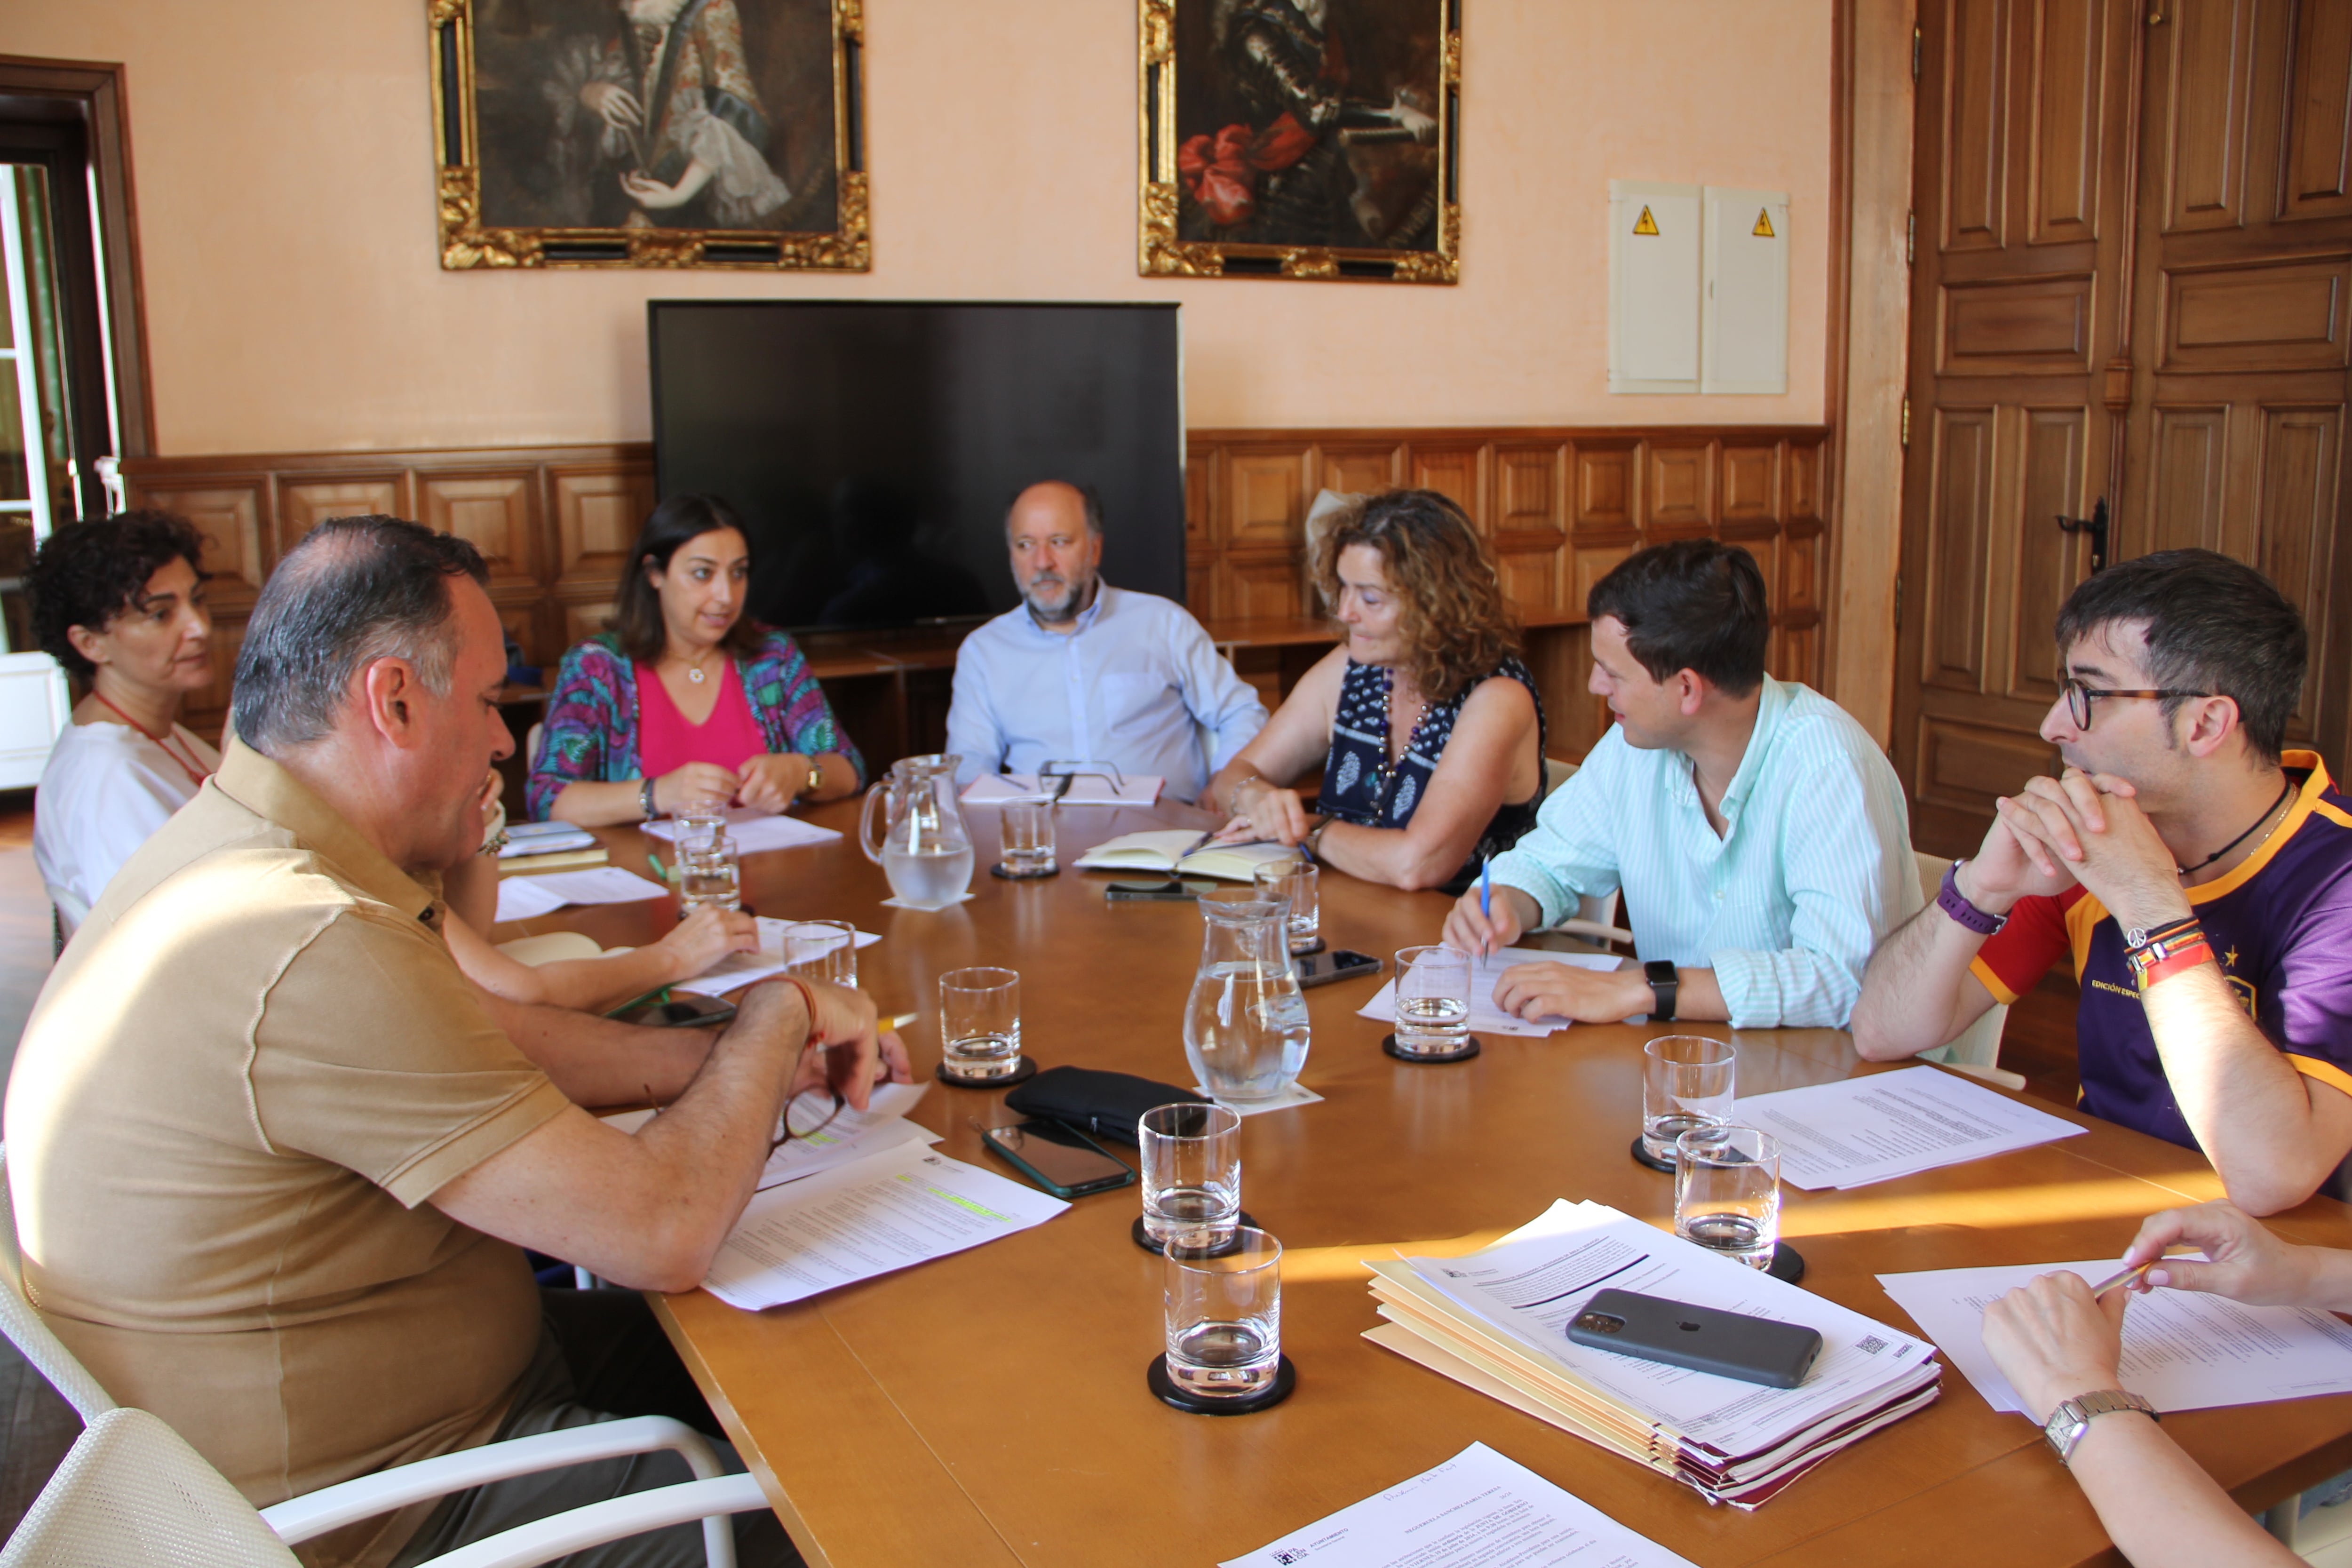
(649, 134)
(1301, 139)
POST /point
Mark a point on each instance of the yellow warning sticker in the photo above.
(1763, 229)
(1647, 225)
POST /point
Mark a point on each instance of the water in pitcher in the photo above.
(1246, 1031)
(928, 879)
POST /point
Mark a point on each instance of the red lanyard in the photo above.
(189, 764)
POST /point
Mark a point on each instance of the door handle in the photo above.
(2096, 525)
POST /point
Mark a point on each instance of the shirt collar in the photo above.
(271, 793)
(1772, 700)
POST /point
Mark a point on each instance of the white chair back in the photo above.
(132, 1492)
(1555, 774)
(21, 1321)
(1978, 1045)
(531, 747)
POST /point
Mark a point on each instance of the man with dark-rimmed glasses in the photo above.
(2199, 875)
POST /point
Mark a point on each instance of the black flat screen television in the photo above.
(872, 448)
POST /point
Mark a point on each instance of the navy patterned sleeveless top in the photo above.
(1360, 786)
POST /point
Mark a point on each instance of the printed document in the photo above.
(744, 968)
(1085, 789)
(1875, 1129)
(848, 1136)
(754, 831)
(1478, 1510)
(877, 1215)
(520, 898)
(2182, 1350)
(1485, 1016)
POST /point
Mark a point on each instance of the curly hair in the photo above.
(1457, 625)
(87, 574)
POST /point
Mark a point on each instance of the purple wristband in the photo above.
(1955, 903)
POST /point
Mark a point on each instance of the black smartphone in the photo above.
(1339, 964)
(685, 1011)
(1174, 889)
(1704, 1339)
(1062, 1160)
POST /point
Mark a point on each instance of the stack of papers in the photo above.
(2181, 1350)
(1497, 1320)
(1485, 1016)
(744, 968)
(755, 831)
(1863, 1130)
(1085, 789)
(521, 897)
(528, 839)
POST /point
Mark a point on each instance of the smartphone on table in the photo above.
(1339, 964)
(683, 1011)
(1704, 1339)
(1062, 1160)
(1172, 889)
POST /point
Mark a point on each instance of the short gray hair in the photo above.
(356, 589)
(1087, 494)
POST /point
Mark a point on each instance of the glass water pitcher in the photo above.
(1245, 1023)
(925, 849)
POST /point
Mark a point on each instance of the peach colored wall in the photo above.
(283, 163)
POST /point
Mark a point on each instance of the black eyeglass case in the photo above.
(1107, 1104)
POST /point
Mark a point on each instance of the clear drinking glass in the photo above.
(1224, 1317)
(1727, 1191)
(696, 825)
(822, 949)
(710, 876)
(1433, 1000)
(1292, 882)
(1025, 830)
(1245, 1027)
(1686, 1082)
(1192, 1175)
(980, 1021)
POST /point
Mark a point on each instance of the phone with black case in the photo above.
(1704, 1339)
(1339, 964)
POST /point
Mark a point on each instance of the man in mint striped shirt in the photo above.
(1756, 831)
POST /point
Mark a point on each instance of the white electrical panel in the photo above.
(1698, 288)
(1653, 287)
(1744, 318)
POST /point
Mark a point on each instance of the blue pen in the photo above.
(1487, 887)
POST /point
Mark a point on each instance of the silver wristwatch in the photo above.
(2067, 1423)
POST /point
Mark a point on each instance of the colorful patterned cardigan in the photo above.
(591, 731)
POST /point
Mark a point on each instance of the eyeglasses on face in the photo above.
(2079, 697)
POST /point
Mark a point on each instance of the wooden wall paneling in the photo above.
(599, 507)
(1975, 184)
(1530, 489)
(497, 513)
(232, 512)
(2047, 562)
(1457, 472)
(207, 711)
(1530, 577)
(2189, 463)
(2271, 316)
(1678, 487)
(2318, 160)
(1952, 597)
(1199, 530)
(1751, 483)
(582, 621)
(1605, 484)
(1350, 469)
(2069, 67)
(2212, 60)
(1266, 497)
(1804, 466)
(1256, 589)
(2295, 534)
(306, 500)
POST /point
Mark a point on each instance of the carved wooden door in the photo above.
(2132, 283)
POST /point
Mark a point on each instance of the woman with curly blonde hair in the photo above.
(1430, 730)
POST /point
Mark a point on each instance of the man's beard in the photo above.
(1062, 608)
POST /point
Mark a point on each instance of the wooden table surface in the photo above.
(991, 1408)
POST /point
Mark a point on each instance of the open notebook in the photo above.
(1164, 849)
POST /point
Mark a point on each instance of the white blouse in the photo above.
(106, 790)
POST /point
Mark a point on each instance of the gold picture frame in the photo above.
(754, 159)
(1234, 183)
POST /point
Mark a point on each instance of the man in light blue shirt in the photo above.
(1757, 833)
(1082, 671)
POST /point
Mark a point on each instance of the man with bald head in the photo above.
(1081, 671)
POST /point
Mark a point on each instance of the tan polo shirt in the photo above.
(253, 1065)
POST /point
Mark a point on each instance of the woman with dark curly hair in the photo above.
(121, 604)
(1430, 730)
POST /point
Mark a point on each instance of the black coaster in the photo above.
(1285, 1378)
(1788, 1265)
(1000, 874)
(1142, 1237)
(1022, 1074)
(1469, 1049)
(1302, 951)
(1641, 1156)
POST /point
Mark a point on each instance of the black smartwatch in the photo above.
(1665, 981)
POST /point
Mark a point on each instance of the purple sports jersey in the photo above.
(2280, 926)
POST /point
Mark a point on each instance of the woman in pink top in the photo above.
(686, 703)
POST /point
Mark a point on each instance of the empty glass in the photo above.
(1292, 882)
(1026, 831)
(979, 1022)
(1224, 1317)
(710, 876)
(1433, 1000)
(1686, 1082)
(822, 949)
(1192, 1175)
(1727, 1191)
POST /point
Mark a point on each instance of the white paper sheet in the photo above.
(872, 1216)
(755, 831)
(1532, 1285)
(528, 839)
(743, 968)
(520, 898)
(994, 789)
(1297, 1094)
(1478, 1510)
(2182, 1350)
(848, 1137)
(1485, 1016)
(1863, 1130)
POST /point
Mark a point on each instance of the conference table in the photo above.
(990, 1407)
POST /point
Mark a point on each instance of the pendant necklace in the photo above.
(2286, 792)
(694, 673)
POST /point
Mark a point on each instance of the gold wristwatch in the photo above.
(815, 778)
(2067, 1423)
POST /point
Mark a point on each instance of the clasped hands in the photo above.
(2080, 828)
(769, 781)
